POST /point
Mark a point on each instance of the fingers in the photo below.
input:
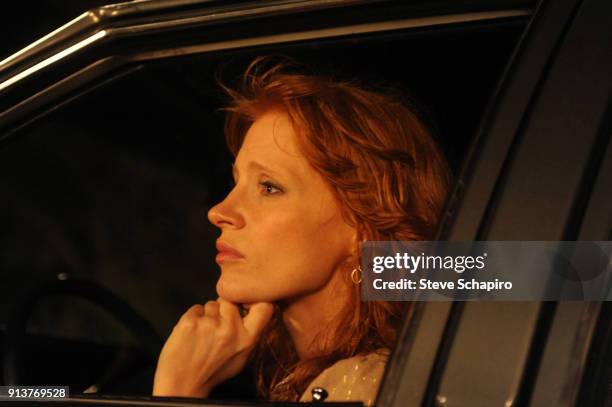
(258, 317)
(196, 310)
(189, 319)
(252, 324)
(228, 310)
(211, 309)
(228, 315)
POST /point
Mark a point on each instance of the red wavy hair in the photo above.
(387, 174)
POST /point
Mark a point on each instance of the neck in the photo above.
(309, 315)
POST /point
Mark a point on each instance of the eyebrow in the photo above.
(258, 166)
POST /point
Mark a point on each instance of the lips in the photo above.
(227, 253)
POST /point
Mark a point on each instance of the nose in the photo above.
(226, 214)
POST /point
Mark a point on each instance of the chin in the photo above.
(239, 291)
(235, 291)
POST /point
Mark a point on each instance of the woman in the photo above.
(320, 166)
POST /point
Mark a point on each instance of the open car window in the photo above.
(114, 186)
(111, 158)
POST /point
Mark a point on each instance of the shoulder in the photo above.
(352, 379)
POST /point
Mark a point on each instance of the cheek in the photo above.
(276, 262)
(290, 253)
(297, 256)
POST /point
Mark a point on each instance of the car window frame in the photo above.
(486, 186)
(486, 150)
(34, 94)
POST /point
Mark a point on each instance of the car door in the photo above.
(534, 174)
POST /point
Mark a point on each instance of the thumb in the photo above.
(258, 317)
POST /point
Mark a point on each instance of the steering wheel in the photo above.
(88, 290)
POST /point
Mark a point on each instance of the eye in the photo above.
(268, 188)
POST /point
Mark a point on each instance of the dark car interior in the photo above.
(113, 188)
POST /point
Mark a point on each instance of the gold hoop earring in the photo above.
(356, 275)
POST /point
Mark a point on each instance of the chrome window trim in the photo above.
(53, 59)
(386, 26)
(71, 25)
(112, 15)
(78, 34)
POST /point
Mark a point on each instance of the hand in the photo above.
(208, 345)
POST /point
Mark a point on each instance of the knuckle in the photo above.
(195, 308)
(187, 323)
(208, 321)
(225, 334)
(193, 311)
(211, 306)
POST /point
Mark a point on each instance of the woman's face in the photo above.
(282, 234)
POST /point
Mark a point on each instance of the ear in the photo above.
(355, 242)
